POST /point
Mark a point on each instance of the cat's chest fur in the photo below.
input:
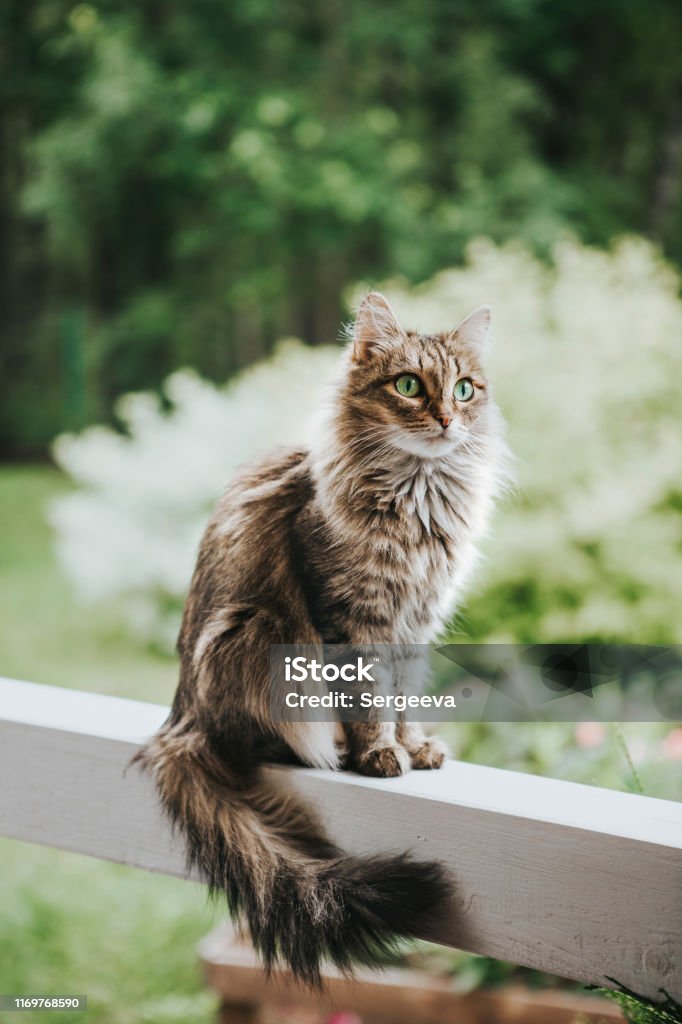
(388, 553)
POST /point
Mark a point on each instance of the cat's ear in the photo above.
(376, 328)
(473, 330)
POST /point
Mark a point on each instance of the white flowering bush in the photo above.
(587, 365)
(128, 534)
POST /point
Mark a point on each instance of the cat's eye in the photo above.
(464, 389)
(408, 385)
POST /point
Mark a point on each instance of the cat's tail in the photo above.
(304, 900)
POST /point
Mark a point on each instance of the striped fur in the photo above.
(369, 537)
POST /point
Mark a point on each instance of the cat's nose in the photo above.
(444, 420)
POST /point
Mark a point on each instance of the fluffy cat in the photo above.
(369, 537)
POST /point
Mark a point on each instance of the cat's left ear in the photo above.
(474, 329)
(376, 328)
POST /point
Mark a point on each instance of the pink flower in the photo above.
(672, 745)
(589, 734)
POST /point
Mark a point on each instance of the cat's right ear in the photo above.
(376, 328)
(474, 328)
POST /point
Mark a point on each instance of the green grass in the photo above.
(125, 938)
(45, 635)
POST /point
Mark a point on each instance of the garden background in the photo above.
(192, 199)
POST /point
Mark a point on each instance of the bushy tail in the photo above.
(304, 901)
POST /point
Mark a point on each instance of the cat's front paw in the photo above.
(384, 762)
(431, 754)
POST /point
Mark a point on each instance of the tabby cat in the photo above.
(367, 537)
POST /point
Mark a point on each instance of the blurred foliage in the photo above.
(128, 534)
(183, 185)
(469, 971)
(637, 757)
(46, 634)
(124, 938)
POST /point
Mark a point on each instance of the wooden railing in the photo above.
(579, 881)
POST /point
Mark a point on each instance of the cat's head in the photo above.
(422, 394)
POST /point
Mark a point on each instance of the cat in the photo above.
(367, 537)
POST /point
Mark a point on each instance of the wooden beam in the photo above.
(575, 880)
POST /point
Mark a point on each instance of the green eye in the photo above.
(408, 385)
(464, 390)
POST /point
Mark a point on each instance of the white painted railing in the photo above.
(579, 881)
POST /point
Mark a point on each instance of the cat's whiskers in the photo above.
(363, 478)
(374, 455)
